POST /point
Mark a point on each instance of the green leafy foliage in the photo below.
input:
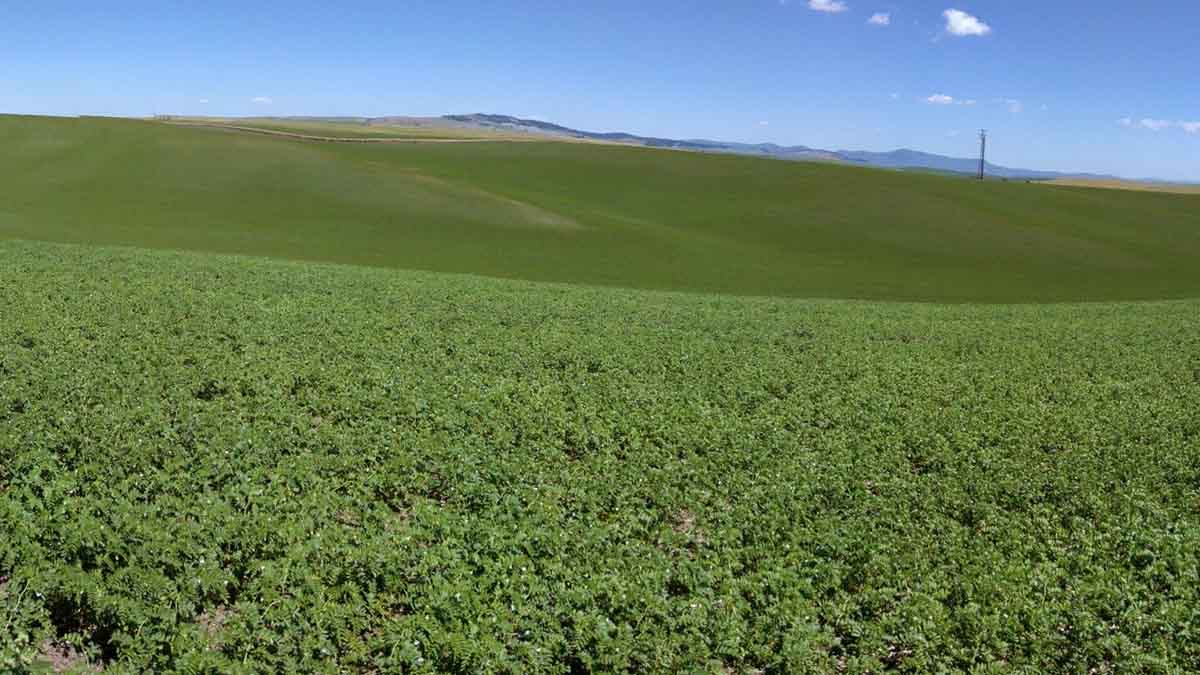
(214, 464)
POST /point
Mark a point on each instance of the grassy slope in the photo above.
(212, 463)
(594, 214)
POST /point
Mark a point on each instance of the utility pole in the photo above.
(982, 152)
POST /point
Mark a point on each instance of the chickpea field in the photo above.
(228, 464)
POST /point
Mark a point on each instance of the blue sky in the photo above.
(1101, 86)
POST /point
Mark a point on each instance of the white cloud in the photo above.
(960, 23)
(880, 19)
(831, 6)
(262, 100)
(764, 123)
(1153, 124)
(944, 99)
(204, 101)
(1014, 106)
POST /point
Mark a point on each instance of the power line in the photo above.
(982, 152)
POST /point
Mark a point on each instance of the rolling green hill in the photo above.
(593, 214)
(214, 463)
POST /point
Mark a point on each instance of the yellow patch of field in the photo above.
(360, 131)
(1128, 185)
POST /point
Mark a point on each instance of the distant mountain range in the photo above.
(903, 159)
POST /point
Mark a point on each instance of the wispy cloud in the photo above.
(1014, 106)
(831, 6)
(1152, 124)
(895, 96)
(962, 24)
(946, 99)
(764, 123)
(262, 100)
(203, 101)
(880, 19)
